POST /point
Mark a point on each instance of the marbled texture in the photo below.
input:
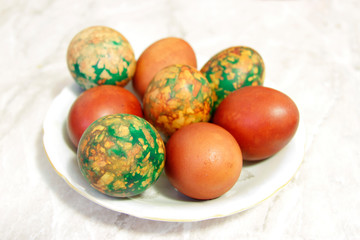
(311, 50)
(177, 96)
(100, 55)
(231, 69)
(121, 155)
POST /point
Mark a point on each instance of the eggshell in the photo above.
(177, 96)
(262, 120)
(203, 161)
(160, 54)
(97, 102)
(100, 55)
(121, 155)
(231, 69)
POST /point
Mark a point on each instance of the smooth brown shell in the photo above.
(203, 160)
(263, 120)
(158, 55)
(97, 102)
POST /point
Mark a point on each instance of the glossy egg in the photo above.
(231, 69)
(100, 55)
(121, 155)
(160, 54)
(263, 120)
(177, 96)
(204, 161)
(97, 102)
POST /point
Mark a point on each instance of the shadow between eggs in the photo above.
(67, 139)
(252, 163)
(164, 188)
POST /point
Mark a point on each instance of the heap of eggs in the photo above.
(197, 125)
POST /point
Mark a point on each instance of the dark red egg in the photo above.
(263, 120)
(97, 102)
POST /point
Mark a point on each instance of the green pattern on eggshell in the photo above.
(121, 155)
(232, 69)
(177, 96)
(100, 55)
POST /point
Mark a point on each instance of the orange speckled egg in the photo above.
(177, 96)
(160, 54)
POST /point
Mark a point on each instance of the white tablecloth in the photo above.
(311, 51)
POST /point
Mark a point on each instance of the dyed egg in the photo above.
(262, 120)
(232, 69)
(177, 96)
(203, 160)
(100, 55)
(160, 54)
(97, 102)
(121, 155)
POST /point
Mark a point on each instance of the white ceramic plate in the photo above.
(258, 181)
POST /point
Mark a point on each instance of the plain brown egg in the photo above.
(203, 160)
(158, 55)
(97, 102)
(263, 120)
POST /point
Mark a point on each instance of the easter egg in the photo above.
(121, 155)
(203, 161)
(177, 96)
(262, 120)
(97, 102)
(100, 55)
(160, 54)
(231, 69)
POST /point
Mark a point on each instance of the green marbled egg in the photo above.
(121, 155)
(100, 55)
(231, 69)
